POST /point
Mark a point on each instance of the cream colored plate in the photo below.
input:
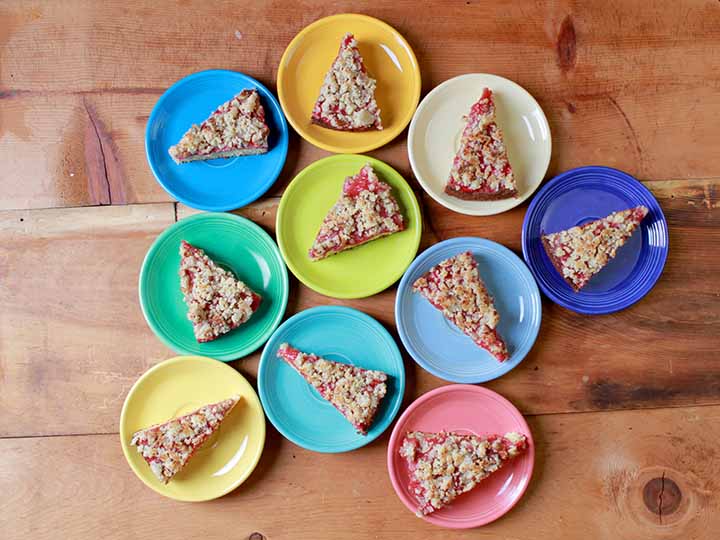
(435, 131)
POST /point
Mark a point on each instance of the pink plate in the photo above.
(465, 409)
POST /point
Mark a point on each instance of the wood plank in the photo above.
(623, 84)
(73, 336)
(593, 474)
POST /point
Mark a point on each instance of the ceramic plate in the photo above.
(216, 184)
(585, 194)
(337, 333)
(176, 387)
(438, 345)
(434, 138)
(359, 272)
(389, 60)
(236, 244)
(471, 410)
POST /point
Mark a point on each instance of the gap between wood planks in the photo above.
(276, 198)
(525, 415)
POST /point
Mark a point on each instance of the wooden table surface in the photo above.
(625, 408)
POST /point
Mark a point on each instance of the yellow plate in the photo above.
(176, 387)
(388, 58)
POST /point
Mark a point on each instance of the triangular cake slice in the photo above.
(444, 465)
(168, 447)
(236, 128)
(454, 287)
(354, 391)
(347, 96)
(365, 211)
(481, 170)
(217, 301)
(581, 252)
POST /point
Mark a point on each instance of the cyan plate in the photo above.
(217, 184)
(439, 346)
(337, 333)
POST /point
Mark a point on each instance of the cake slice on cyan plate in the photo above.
(217, 301)
(169, 446)
(444, 465)
(481, 169)
(581, 252)
(454, 287)
(365, 211)
(355, 392)
(236, 128)
(347, 96)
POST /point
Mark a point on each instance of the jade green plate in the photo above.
(359, 272)
(236, 244)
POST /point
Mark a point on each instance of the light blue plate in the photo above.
(217, 184)
(337, 333)
(438, 345)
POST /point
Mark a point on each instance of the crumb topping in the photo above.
(581, 252)
(238, 124)
(217, 301)
(482, 164)
(347, 96)
(366, 210)
(444, 465)
(454, 287)
(167, 447)
(354, 391)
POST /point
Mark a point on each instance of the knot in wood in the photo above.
(662, 496)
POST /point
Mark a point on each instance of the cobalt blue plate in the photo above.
(215, 185)
(341, 334)
(439, 346)
(585, 194)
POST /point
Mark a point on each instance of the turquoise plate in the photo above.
(337, 333)
(236, 244)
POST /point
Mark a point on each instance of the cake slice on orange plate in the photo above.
(444, 465)
(347, 96)
(169, 446)
(217, 301)
(236, 128)
(581, 252)
(481, 169)
(454, 287)
(365, 211)
(355, 392)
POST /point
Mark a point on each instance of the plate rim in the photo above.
(525, 241)
(360, 148)
(417, 357)
(444, 201)
(246, 350)
(284, 140)
(368, 291)
(122, 434)
(330, 310)
(419, 401)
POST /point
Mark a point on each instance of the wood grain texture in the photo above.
(622, 83)
(590, 478)
(73, 338)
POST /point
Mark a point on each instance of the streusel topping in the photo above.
(168, 447)
(236, 124)
(217, 301)
(583, 251)
(347, 96)
(445, 465)
(354, 391)
(366, 210)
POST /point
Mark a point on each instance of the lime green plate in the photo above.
(236, 244)
(359, 272)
